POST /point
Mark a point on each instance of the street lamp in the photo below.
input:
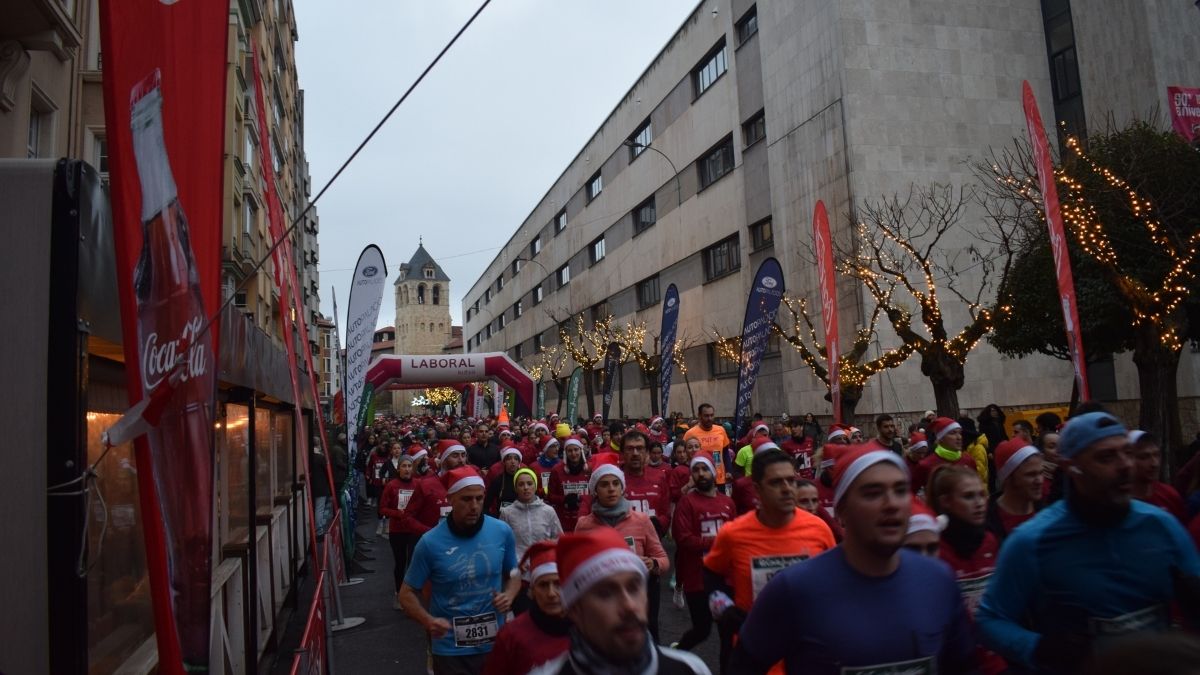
(630, 143)
(524, 259)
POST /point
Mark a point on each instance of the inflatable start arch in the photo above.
(412, 372)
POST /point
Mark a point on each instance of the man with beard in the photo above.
(467, 559)
(1094, 566)
(800, 447)
(568, 484)
(713, 440)
(604, 592)
(869, 605)
(699, 516)
(887, 435)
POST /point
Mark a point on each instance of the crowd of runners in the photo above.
(947, 546)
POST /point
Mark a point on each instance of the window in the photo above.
(516, 266)
(487, 295)
(647, 292)
(760, 234)
(560, 221)
(535, 246)
(640, 140)
(428, 272)
(488, 331)
(100, 154)
(249, 218)
(716, 163)
(250, 148)
(420, 294)
(537, 342)
(518, 309)
(773, 342)
(722, 258)
(437, 294)
(501, 322)
(747, 25)
(596, 251)
(600, 311)
(276, 157)
(537, 294)
(40, 137)
(476, 307)
(644, 216)
(754, 129)
(718, 365)
(517, 353)
(1064, 66)
(595, 186)
(563, 275)
(499, 283)
(712, 68)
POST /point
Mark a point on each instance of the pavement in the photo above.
(389, 642)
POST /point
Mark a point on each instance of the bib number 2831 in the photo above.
(472, 631)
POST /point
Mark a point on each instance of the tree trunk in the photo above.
(691, 400)
(1157, 368)
(621, 390)
(945, 373)
(588, 393)
(654, 411)
(850, 399)
(560, 387)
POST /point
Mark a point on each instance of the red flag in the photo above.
(164, 106)
(1058, 240)
(828, 286)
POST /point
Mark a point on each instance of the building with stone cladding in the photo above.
(423, 323)
(759, 109)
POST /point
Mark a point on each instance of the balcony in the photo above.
(43, 25)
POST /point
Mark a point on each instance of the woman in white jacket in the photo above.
(532, 520)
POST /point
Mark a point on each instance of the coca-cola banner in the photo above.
(823, 245)
(366, 295)
(1184, 104)
(164, 105)
(765, 295)
(1058, 238)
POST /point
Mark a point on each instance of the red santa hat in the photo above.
(923, 519)
(942, 426)
(505, 433)
(701, 459)
(448, 447)
(598, 416)
(854, 460)
(571, 441)
(1011, 454)
(606, 468)
(510, 450)
(836, 431)
(540, 559)
(656, 420)
(916, 440)
(642, 428)
(763, 444)
(553, 416)
(761, 426)
(590, 557)
(417, 451)
(541, 426)
(462, 477)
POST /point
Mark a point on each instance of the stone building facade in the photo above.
(423, 323)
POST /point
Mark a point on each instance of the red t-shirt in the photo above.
(563, 483)
(1010, 521)
(649, 494)
(522, 646)
(1166, 498)
(676, 479)
(802, 453)
(973, 575)
(698, 518)
(428, 502)
(745, 497)
(659, 472)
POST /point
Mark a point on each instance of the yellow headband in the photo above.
(531, 473)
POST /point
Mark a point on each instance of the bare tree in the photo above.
(587, 346)
(552, 361)
(902, 243)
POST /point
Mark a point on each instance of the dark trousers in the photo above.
(702, 621)
(653, 600)
(402, 550)
(458, 665)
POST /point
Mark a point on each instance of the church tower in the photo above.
(422, 313)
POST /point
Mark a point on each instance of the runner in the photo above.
(467, 559)
(745, 494)
(501, 490)
(1091, 567)
(745, 454)
(958, 493)
(924, 530)
(568, 484)
(713, 440)
(611, 509)
(531, 520)
(948, 436)
(403, 528)
(604, 593)
(698, 517)
(801, 448)
(748, 551)
(547, 459)
(1147, 469)
(646, 492)
(429, 503)
(541, 634)
(869, 606)
(1019, 475)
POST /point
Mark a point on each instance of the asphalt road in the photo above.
(391, 643)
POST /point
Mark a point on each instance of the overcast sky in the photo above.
(480, 141)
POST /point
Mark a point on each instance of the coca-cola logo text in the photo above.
(158, 359)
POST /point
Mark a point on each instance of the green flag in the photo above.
(573, 394)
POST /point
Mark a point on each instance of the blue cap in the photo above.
(1084, 430)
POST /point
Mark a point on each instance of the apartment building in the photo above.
(715, 158)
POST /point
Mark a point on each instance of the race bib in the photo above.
(709, 528)
(472, 631)
(764, 568)
(545, 479)
(629, 542)
(575, 488)
(402, 501)
(1150, 618)
(915, 667)
(444, 511)
(972, 591)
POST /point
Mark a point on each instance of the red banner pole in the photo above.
(828, 288)
(1058, 239)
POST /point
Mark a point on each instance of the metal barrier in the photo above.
(314, 656)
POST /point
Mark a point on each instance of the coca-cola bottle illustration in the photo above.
(170, 317)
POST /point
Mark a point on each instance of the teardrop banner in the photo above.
(573, 395)
(666, 358)
(612, 361)
(765, 295)
(164, 105)
(1058, 238)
